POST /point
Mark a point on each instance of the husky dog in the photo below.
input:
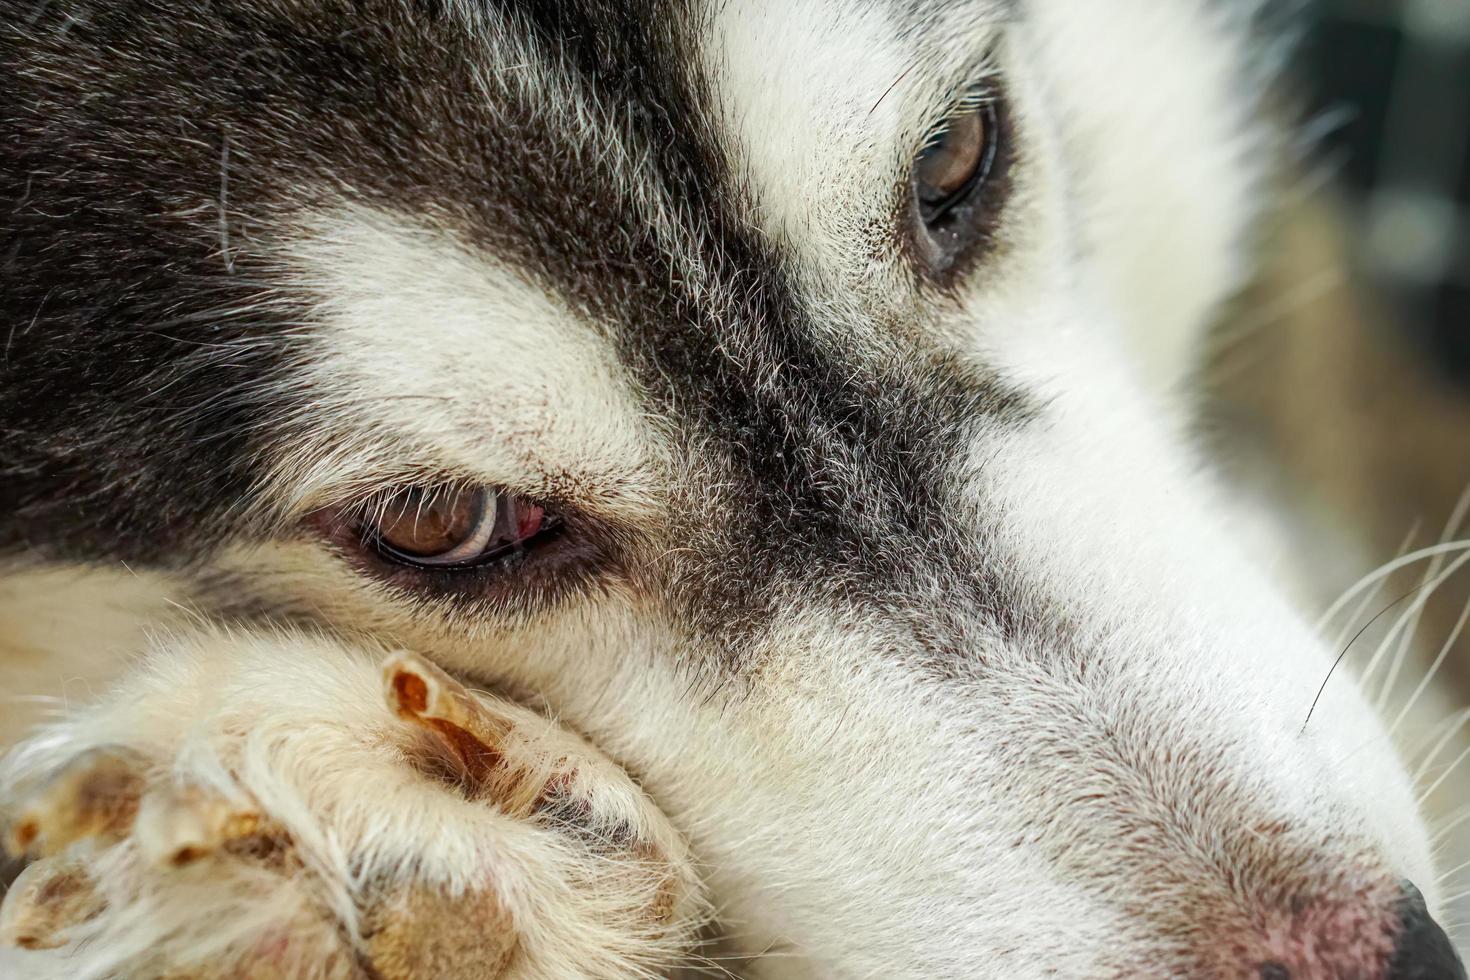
(611, 487)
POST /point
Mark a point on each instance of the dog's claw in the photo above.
(179, 827)
(422, 693)
(472, 736)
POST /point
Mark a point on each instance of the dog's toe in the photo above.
(275, 818)
(49, 897)
(178, 826)
(95, 796)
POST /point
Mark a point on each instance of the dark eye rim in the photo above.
(549, 531)
(932, 212)
(577, 554)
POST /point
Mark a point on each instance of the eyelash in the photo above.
(972, 99)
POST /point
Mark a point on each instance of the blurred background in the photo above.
(1391, 86)
(1342, 387)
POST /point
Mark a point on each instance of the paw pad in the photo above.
(419, 932)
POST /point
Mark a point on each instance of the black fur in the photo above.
(152, 153)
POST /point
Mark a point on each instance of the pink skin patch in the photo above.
(1319, 939)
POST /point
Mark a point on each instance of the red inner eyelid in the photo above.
(529, 518)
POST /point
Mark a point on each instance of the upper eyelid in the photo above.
(977, 97)
(933, 105)
(357, 495)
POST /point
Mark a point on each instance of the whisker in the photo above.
(890, 88)
(1385, 570)
(1451, 528)
(1444, 652)
(1458, 896)
(1425, 590)
(1441, 833)
(1336, 663)
(1377, 589)
(1446, 875)
(1450, 731)
(1443, 776)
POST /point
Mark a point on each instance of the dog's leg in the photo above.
(273, 807)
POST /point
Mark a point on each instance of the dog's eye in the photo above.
(954, 161)
(953, 201)
(451, 526)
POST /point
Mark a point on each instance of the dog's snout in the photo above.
(1379, 932)
(1422, 950)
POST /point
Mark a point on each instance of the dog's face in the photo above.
(786, 394)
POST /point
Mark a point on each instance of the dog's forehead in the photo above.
(646, 178)
(680, 113)
(609, 189)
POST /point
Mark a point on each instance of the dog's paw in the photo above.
(253, 809)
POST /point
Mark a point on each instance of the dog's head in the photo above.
(788, 394)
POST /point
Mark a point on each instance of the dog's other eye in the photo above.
(954, 161)
(451, 526)
(953, 200)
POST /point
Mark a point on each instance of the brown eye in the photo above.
(451, 526)
(954, 163)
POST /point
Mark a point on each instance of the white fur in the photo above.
(430, 346)
(297, 729)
